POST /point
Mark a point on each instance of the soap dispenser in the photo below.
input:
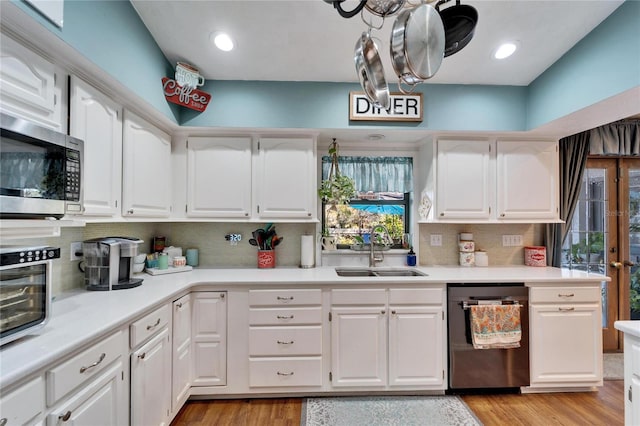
(411, 257)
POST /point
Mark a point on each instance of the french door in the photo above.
(604, 237)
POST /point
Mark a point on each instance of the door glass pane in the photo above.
(634, 242)
(584, 246)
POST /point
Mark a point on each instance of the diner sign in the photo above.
(401, 108)
(185, 96)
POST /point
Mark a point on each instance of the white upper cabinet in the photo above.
(464, 178)
(97, 120)
(284, 179)
(219, 177)
(29, 88)
(527, 180)
(146, 169)
(495, 181)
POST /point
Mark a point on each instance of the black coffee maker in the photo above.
(108, 263)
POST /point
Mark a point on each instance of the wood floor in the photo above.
(605, 407)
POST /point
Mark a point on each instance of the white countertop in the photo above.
(80, 317)
(629, 327)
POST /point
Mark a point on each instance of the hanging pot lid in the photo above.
(459, 25)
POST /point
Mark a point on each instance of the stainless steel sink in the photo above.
(376, 272)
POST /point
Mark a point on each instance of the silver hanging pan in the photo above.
(417, 45)
(371, 72)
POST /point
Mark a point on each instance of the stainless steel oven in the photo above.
(40, 171)
(25, 290)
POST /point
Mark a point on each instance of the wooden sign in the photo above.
(185, 95)
(402, 108)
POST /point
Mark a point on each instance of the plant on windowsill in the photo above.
(337, 189)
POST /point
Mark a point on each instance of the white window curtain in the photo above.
(376, 174)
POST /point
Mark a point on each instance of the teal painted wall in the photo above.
(604, 63)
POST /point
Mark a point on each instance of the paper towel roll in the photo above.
(307, 257)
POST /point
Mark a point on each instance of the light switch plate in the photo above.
(511, 240)
(75, 248)
(436, 240)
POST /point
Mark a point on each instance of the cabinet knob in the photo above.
(142, 355)
(130, 211)
(393, 312)
(222, 296)
(178, 305)
(441, 214)
(64, 417)
(383, 312)
(502, 215)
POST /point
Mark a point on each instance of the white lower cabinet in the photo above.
(24, 405)
(387, 338)
(181, 352)
(285, 338)
(151, 381)
(209, 338)
(565, 336)
(631, 380)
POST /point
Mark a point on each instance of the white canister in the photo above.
(179, 261)
(467, 258)
(482, 259)
(466, 246)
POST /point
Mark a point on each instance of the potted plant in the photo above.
(337, 189)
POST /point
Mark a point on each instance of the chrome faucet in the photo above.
(381, 241)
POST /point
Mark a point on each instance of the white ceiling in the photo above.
(307, 40)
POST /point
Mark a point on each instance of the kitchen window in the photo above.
(384, 186)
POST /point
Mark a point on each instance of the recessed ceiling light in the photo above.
(223, 41)
(505, 50)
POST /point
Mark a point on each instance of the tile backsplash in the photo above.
(215, 251)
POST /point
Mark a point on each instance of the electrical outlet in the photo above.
(75, 248)
(436, 240)
(511, 240)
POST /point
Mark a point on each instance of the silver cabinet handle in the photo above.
(383, 312)
(83, 369)
(222, 296)
(283, 317)
(285, 298)
(393, 312)
(130, 211)
(179, 305)
(566, 295)
(279, 373)
(149, 327)
(566, 309)
(64, 417)
(280, 342)
(142, 355)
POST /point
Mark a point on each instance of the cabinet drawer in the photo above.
(564, 294)
(285, 341)
(285, 316)
(70, 374)
(285, 372)
(146, 326)
(366, 296)
(24, 404)
(284, 297)
(416, 296)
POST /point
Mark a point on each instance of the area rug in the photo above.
(387, 411)
(613, 366)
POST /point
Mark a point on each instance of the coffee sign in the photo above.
(186, 96)
(401, 108)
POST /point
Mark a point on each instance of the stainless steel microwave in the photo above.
(41, 171)
(25, 290)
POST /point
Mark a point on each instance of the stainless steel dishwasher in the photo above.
(471, 368)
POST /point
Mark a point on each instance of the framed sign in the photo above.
(402, 108)
(185, 96)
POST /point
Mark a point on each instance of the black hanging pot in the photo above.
(344, 13)
(459, 25)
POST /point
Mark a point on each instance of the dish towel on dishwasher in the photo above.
(495, 326)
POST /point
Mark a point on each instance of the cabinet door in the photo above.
(464, 176)
(146, 172)
(102, 402)
(527, 182)
(219, 177)
(631, 380)
(24, 405)
(151, 382)
(209, 334)
(181, 351)
(97, 120)
(415, 346)
(358, 346)
(28, 86)
(284, 179)
(566, 344)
